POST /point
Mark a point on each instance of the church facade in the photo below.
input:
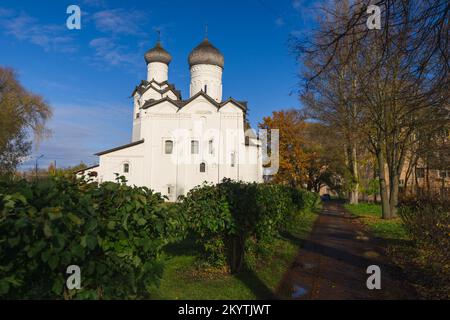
(178, 144)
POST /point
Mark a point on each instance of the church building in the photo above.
(178, 143)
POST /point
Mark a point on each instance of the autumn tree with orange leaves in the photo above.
(309, 157)
(293, 160)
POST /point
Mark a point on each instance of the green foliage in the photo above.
(114, 232)
(210, 220)
(365, 209)
(304, 199)
(373, 187)
(183, 279)
(371, 215)
(234, 219)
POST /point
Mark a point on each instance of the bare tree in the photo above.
(394, 79)
(330, 96)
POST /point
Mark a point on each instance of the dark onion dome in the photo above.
(157, 54)
(206, 53)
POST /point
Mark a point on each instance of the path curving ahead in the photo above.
(332, 262)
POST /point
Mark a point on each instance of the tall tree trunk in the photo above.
(354, 169)
(385, 207)
(393, 194)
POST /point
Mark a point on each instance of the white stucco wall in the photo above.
(157, 71)
(113, 162)
(206, 75)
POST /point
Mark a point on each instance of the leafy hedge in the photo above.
(114, 232)
(304, 199)
(232, 218)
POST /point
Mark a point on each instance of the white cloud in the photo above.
(107, 51)
(51, 37)
(119, 21)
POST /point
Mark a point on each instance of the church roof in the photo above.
(157, 54)
(120, 147)
(146, 85)
(181, 103)
(151, 102)
(206, 53)
(87, 168)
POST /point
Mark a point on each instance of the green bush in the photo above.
(210, 221)
(304, 199)
(234, 219)
(113, 232)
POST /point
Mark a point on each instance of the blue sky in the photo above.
(88, 75)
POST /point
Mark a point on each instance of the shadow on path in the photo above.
(333, 261)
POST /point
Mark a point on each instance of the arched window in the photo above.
(211, 146)
(194, 147)
(202, 167)
(247, 140)
(126, 167)
(168, 147)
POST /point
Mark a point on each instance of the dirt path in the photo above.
(333, 261)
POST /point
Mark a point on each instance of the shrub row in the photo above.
(113, 232)
(231, 218)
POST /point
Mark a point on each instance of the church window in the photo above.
(211, 146)
(168, 147)
(202, 167)
(126, 167)
(233, 159)
(206, 88)
(137, 115)
(194, 146)
(247, 140)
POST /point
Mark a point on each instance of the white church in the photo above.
(178, 144)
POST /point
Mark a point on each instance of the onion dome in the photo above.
(206, 53)
(157, 54)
